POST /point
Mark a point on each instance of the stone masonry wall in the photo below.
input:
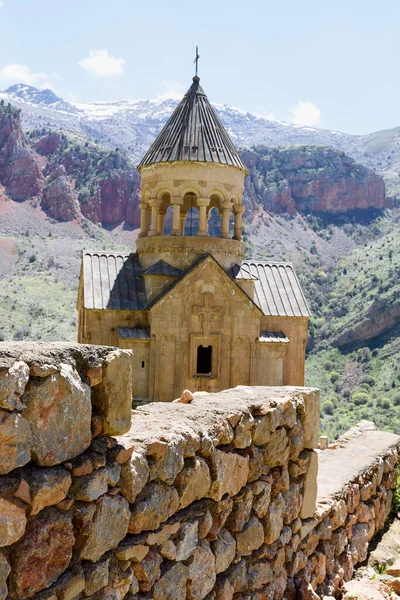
(215, 499)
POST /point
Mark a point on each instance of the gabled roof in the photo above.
(163, 268)
(276, 337)
(193, 132)
(113, 281)
(277, 290)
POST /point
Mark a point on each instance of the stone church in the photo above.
(195, 314)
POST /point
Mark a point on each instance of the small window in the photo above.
(142, 364)
(204, 360)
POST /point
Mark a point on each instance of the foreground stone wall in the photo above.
(215, 499)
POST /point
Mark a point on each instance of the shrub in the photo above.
(360, 398)
(334, 376)
(383, 402)
(346, 392)
(396, 399)
(368, 379)
(32, 258)
(328, 366)
(328, 407)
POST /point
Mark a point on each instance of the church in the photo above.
(195, 314)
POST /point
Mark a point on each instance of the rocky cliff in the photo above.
(103, 185)
(310, 179)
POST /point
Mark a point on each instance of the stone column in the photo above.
(226, 211)
(161, 217)
(238, 210)
(144, 223)
(183, 219)
(176, 202)
(203, 203)
(155, 206)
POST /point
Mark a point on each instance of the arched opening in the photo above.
(191, 211)
(168, 218)
(204, 360)
(214, 222)
(162, 213)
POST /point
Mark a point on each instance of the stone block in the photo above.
(229, 474)
(224, 549)
(73, 587)
(310, 487)
(12, 521)
(172, 585)
(201, 572)
(259, 574)
(242, 505)
(294, 502)
(96, 575)
(4, 573)
(273, 521)
(107, 527)
(193, 482)
(113, 395)
(131, 549)
(311, 418)
(15, 441)
(187, 540)
(134, 475)
(277, 450)
(90, 487)
(43, 554)
(154, 505)
(262, 499)
(58, 409)
(47, 486)
(148, 571)
(12, 385)
(250, 538)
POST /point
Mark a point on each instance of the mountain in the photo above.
(132, 125)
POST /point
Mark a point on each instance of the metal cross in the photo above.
(196, 60)
(207, 312)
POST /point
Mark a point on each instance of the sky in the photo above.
(313, 62)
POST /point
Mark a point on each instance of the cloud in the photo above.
(1, 3)
(305, 113)
(16, 73)
(100, 64)
(172, 90)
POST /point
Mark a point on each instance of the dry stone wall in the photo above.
(215, 499)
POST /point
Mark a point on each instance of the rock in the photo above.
(359, 541)
(240, 514)
(277, 450)
(187, 540)
(15, 441)
(44, 552)
(193, 482)
(46, 487)
(172, 585)
(4, 573)
(12, 521)
(229, 474)
(81, 465)
(113, 395)
(171, 461)
(201, 572)
(168, 550)
(95, 375)
(186, 397)
(293, 500)
(338, 514)
(154, 505)
(12, 385)
(394, 570)
(72, 587)
(394, 585)
(234, 580)
(365, 589)
(224, 549)
(164, 533)
(134, 476)
(90, 487)
(258, 574)
(58, 411)
(107, 527)
(59, 199)
(243, 431)
(130, 549)
(250, 538)
(261, 500)
(273, 522)
(309, 500)
(220, 511)
(205, 524)
(148, 571)
(96, 576)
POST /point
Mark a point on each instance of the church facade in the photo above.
(195, 314)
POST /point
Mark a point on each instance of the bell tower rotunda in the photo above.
(191, 166)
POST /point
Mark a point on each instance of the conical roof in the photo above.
(193, 132)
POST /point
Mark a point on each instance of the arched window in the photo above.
(204, 360)
(214, 222)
